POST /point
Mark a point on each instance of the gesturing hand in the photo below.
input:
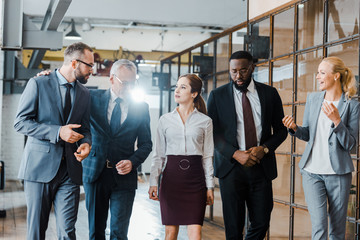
(288, 122)
(331, 112)
(123, 167)
(82, 152)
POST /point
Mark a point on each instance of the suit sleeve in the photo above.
(347, 133)
(221, 145)
(85, 125)
(279, 130)
(144, 143)
(26, 116)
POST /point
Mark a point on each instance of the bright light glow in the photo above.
(137, 76)
(301, 5)
(138, 94)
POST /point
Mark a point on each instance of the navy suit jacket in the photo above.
(119, 146)
(221, 108)
(39, 116)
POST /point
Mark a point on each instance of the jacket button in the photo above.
(330, 144)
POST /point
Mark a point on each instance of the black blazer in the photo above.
(119, 146)
(221, 108)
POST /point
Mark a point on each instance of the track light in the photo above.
(73, 35)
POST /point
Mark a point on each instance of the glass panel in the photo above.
(299, 192)
(343, 18)
(311, 22)
(299, 144)
(302, 224)
(351, 212)
(279, 223)
(281, 184)
(349, 53)
(261, 73)
(307, 69)
(259, 41)
(195, 52)
(185, 64)
(283, 78)
(350, 230)
(238, 40)
(283, 32)
(222, 54)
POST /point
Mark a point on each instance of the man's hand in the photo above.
(124, 167)
(82, 152)
(257, 153)
(69, 135)
(43, 73)
(153, 193)
(243, 157)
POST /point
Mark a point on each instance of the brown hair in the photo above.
(347, 79)
(196, 85)
(75, 50)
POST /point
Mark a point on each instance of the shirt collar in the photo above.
(176, 112)
(251, 88)
(61, 79)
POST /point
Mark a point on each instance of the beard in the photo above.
(243, 86)
(80, 77)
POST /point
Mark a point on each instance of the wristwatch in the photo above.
(266, 149)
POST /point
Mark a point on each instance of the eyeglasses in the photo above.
(242, 71)
(87, 64)
(127, 83)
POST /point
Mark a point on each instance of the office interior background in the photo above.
(170, 38)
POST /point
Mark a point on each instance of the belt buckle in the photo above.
(108, 164)
(184, 164)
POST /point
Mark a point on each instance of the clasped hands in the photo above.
(249, 157)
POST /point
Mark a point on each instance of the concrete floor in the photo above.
(145, 223)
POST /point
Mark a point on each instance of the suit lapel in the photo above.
(56, 91)
(315, 112)
(104, 101)
(229, 101)
(343, 103)
(262, 98)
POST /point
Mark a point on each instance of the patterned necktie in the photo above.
(249, 124)
(67, 107)
(115, 121)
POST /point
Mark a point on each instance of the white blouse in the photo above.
(195, 137)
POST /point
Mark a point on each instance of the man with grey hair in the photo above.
(54, 112)
(110, 171)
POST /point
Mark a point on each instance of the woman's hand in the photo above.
(288, 122)
(210, 197)
(331, 112)
(153, 193)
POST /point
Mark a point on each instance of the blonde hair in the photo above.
(347, 78)
(196, 85)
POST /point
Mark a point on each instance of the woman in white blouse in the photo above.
(183, 154)
(330, 126)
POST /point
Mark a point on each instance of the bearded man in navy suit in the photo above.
(110, 171)
(54, 112)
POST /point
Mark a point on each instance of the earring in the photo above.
(335, 79)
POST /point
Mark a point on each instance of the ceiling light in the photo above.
(73, 35)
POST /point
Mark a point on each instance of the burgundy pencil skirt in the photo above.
(183, 191)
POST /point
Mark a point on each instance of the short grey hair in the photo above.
(122, 63)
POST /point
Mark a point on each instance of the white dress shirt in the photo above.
(123, 105)
(195, 137)
(253, 97)
(319, 160)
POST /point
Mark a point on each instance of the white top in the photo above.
(319, 160)
(195, 137)
(123, 105)
(253, 97)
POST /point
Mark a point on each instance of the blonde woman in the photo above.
(184, 147)
(330, 126)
